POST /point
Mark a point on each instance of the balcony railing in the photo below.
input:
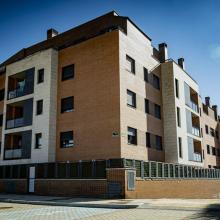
(196, 131)
(14, 123)
(197, 157)
(13, 153)
(16, 93)
(194, 106)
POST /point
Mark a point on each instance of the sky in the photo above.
(191, 29)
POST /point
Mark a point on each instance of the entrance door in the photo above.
(31, 179)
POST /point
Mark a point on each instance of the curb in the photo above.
(50, 203)
(207, 209)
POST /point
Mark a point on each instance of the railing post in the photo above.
(142, 169)
(149, 169)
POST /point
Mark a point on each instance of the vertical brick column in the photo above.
(117, 177)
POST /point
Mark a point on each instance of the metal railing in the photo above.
(14, 123)
(159, 170)
(97, 170)
(15, 93)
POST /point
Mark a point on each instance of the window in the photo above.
(206, 129)
(68, 72)
(67, 104)
(156, 82)
(178, 117)
(39, 107)
(66, 139)
(208, 149)
(148, 143)
(38, 140)
(177, 87)
(147, 106)
(1, 120)
(132, 136)
(2, 94)
(216, 134)
(157, 111)
(180, 147)
(218, 152)
(213, 151)
(131, 63)
(212, 132)
(40, 77)
(158, 142)
(131, 99)
(145, 74)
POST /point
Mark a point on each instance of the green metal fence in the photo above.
(151, 169)
(96, 169)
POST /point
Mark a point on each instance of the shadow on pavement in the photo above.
(211, 212)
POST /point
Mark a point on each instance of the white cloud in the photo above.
(215, 53)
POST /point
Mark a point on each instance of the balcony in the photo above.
(196, 131)
(13, 153)
(17, 145)
(20, 84)
(15, 123)
(197, 157)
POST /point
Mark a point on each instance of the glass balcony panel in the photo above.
(13, 153)
(14, 123)
(194, 106)
(196, 131)
(197, 157)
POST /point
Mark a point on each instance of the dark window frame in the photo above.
(39, 107)
(132, 62)
(69, 68)
(65, 141)
(132, 139)
(146, 74)
(157, 111)
(156, 82)
(177, 87)
(134, 103)
(159, 142)
(180, 147)
(38, 136)
(66, 109)
(208, 149)
(40, 76)
(178, 113)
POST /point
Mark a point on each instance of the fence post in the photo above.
(80, 169)
(142, 169)
(93, 168)
(149, 169)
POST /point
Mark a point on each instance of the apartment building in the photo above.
(100, 91)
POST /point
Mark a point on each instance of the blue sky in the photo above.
(190, 28)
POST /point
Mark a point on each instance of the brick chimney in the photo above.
(163, 52)
(181, 63)
(207, 101)
(51, 33)
(215, 109)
